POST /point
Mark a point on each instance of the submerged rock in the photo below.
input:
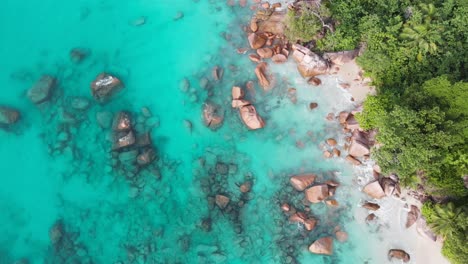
(42, 90)
(237, 93)
(56, 233)
(398, 254)
(104, 119)
(213, 115)
(301, 182)
(260, 72)
(105, 86)
(146, 157)
(8, 116)
(123, 139)
(80, 103)
(77, 55)
(341, 236)
(322, 246)
(317, 193)
(122, 121)
(221, 201)
(314, 81)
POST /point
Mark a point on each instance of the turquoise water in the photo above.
(156, 216)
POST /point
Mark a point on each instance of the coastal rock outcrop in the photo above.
(251, 118)
(213, 115)
(322, 246)
(301, 182)
(374, 190)
(260, 72)
(341, 57)
(256, 41)
(317, 193)
(105, 86)
(42, 90)
(398, 254)
(8, 116)
(309, 64)
(412, 216)
(300, 217)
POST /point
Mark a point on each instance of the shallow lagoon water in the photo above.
(156, 217)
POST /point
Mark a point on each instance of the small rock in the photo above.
(221, 201)
(184, 85)
(245, 187)
(279, 58)
(317, 193)
(146, 112)
(77, 55)
(374, 190)
(331, 142)
(146, 157)
(139, 21)
(80, 103)
(8, 116)
(371, 206)
(314, 81)
(323, 246)
(313, 106)
(105, 86)
(42, 90)
(152, 122)
(301, 182)
(104, 119)
(341, 236)
(398, 254)
(179, 15)
(122, 121)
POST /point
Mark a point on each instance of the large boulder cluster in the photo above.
(247, 111)
(132, 151)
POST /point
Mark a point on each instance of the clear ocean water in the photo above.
(56, 165)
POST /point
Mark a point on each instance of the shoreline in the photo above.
(393, 211)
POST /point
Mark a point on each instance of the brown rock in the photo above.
(8, 116)
(353, 160)
(323, 246)
(221, 201)
(256, 41)
(217, 73)
(331, 190)
(123, 139)
(300, 217)
(213, 116)
(279, 58)
(285, 207)
(250, 117)
(276, 5)
(260, 72)
(312, 106)
(413, 216)
(351, 122)
(273, 23)
(237, 93)
(105, 86)
(371, 218)
(341, 57)
(146, 157)
(255, 58)
(317, 193)
(265, 53)
(332, 203)
(266, 5)
(342, 117)
(309, 63)
(336, 152)
(398, 254)
(310, 223)
(246, 187)
(327, 154)
(253, 25)
(332, 183)
(301, 182)
(358, 149)
(341, 236)
(122, 122)
(371, 206)
(331, 142)
(374, 190)
(388, 186)
(42, 90)
(314, 81)
(239, 103)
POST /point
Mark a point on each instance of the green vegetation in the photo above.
(451, 222)
(304, 24)
(416, 53)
